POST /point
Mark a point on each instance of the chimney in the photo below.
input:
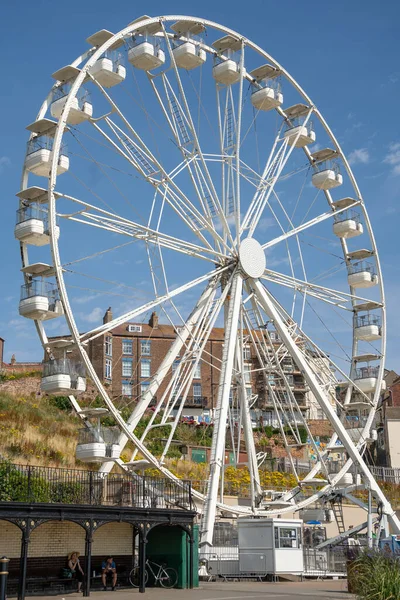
(108, 315)
(153, 321)
(13, 360)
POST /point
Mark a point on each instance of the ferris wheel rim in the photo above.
(57, 141)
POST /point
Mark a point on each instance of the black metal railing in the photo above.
(50, 485)
(196, 401)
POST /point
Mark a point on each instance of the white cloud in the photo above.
(359, 156)
(5, 162)
(84, 299)
(393, 158)
(94, 316)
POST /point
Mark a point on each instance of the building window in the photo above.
(135, 328)
(145, 367)
(126, 367)
(197, 390)
(246, 353)
(144, 387)
(145, 347)
(271, 379)
(108, 346)
(108, 369)
(287, 537)
(197, 371)
(127, 347)
(127, 388)
(175, 365)
(247, 374)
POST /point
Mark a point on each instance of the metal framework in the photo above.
(228, 183)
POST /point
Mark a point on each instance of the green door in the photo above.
(199, 455)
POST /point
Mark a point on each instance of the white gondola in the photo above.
(32, 225)
(366, 379)
(80, 110)
(108, 70)
(300, 136)
(98, 443)
(266, 93)
(226, 69)
(146, 52)
(40, 300)
(368, 327)
(63, 377)
(362, 275)
(188, 53)
(327, 174)
(347, 224)
(39, 149)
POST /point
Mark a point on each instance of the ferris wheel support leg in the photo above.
(221, 414)
(165, 366)
(268, 305)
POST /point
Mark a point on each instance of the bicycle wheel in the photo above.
(168, 578)
(134, 577)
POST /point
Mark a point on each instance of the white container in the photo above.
(76, 114)
(38, 162)
(146, 56)
(368, 332)
(37, 307)
(270, 546)
(226, 72)
(266, 99)
(366, 384)
(306, 136)
(80, 385)
(57, 384)
(189, 56)
(348, 228)
(362, 279)
(32, 232)
(113, 451)
(92, 452)
(346, 480)
(103, 72)
(327, 179)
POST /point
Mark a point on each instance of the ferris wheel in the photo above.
(181, 145)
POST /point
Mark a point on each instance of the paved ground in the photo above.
(331, 590)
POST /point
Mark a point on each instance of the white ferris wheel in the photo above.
(179, 141)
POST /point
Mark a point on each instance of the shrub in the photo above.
(60, 402)
(374, 575)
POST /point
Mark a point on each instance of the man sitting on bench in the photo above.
(108, 569)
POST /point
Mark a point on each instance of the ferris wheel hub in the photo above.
(252, 257)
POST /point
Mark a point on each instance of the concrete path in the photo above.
(329, 590)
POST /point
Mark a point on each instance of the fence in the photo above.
(21, 483)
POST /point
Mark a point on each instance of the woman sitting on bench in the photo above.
(75, 567)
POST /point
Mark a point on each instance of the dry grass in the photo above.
(32, 431)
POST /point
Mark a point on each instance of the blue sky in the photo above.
(345, 56)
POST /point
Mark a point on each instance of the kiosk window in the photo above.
(287, 537)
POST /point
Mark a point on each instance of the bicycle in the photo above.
(166, 576)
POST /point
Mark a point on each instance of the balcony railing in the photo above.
(196, 402)
(49, 485)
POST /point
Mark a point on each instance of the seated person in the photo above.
(108, 569)
(74, 566)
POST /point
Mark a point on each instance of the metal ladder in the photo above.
(177, 116)
(337, 507)
(138, 155)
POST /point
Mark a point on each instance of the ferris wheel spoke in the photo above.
(135, 151)
(277, 160)
(176, 110)
(311, 223)
(94, 333)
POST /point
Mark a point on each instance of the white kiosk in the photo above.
(270, 546)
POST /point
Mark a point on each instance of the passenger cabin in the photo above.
(32, 218)
(146, 52)
(226, 69)
(361, 274)
(108, 70)
(39, 149)
(266, 89)
(368, 326)
(63, 376)
(188, 53)
(81, 108)
(39, 297)
(366, 379)
(299, 133)
(97, 443)
(326, 169)
(346, 222)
